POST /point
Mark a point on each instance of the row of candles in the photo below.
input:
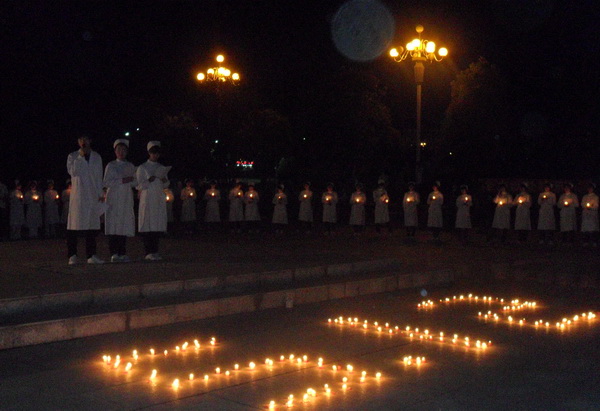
(34, 196)
(408, 331)
(560, 325)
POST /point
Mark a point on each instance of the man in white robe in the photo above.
(85, 205)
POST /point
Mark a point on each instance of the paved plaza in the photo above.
(525, 366)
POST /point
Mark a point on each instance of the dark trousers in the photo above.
(436, 232)
(90, 242)
(116, 244)
(411, 231)
(151, 240)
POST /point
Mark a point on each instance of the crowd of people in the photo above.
(93, 196)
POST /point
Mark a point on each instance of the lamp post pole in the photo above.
(419, 51)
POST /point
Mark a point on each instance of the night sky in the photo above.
(98, 67)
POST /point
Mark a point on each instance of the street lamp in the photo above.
(220, 73)
(419, 50)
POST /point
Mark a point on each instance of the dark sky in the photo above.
(88, 66)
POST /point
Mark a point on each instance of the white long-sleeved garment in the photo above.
(212, 196)
(152, 214)
(86, 190)
(381, 199)
(329, 201)
(188, 204)
(51, 199)
(409, 204)
(306, 211)
(502, 213)
(119, 218)
(251, 199)
(463, 211)
(434, 212)
(523, 213)
(280, 209)
(589, 214)
(547, 220)
(236, 205)
(568, 203)
(357, 209)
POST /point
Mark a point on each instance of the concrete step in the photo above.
(71, 324)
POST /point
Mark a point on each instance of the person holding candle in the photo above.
(435, 221)
(212, 196)
(51, 219)
(358, 200)
(382, 200)
(305, 214)
(546, 219)
(409, 204)
(329, 199)
(33, 210)
(523, 213)
(188, 206)
(236, 207)
(86, 200)
(464, 203)
(119, 221)
(568, 204)
(501, 222)
(251, 214)
(589, 217)
(169, 200)
(17, 212)
(280, 218)
(65, 197)
(151, 178)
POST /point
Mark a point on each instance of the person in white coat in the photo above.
(251, 213)
(329, 199)
(65, 198)
(151, 178)
(568, 204)
(589, 217)
(188, 206)
(119, 220)
(501, 222)
(33, 210)
(86, 201)
(17, 211)
(212, 196)
(169, 199)
(546, 220)
(280, 217)
(464, 202)
(305, 214)
(358, 200)
(523, 213)
(410, 203)
(382, 201)
(51, 218)
(236, 207)
(435, 201)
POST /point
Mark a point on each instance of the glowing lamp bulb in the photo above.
(443, 52)
(220, 58)
(378, 375)
(394, 53)
(430, 47)
(175, 383)
(191, 376)
(153, 375)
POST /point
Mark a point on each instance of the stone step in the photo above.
(79, 326)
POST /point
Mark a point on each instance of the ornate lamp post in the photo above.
(419, 50)
(220, 74)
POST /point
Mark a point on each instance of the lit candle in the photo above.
(152, 351)
(500, 203)
(128, 366)
(544, 196)
(212, 193)
(168, 198)
(191, 376)
(153, 375)
(433, 197)
(175, 383)
(35, 197)
(239, 193)
(588, 205)
(191, 194)
(566, 203)
(520, 200)
(57, 197)
(305, 196)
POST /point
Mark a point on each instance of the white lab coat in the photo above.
(251, 200)
(409, 203)
(236, 205)
(306, 211)
(329, 201)
(381, 199)
(280, 209)
(502, 214)
(169, 198)
(51, 207)
(212, 213)
(188, 204)
(33, 213)
(463, 211)
(589, 215)
(547, 220)
(434, 212)
(357, 209)
(119, 218)
(17, 210)
(523, 213)
(152, 214)
(86, 189)
(568, 214)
